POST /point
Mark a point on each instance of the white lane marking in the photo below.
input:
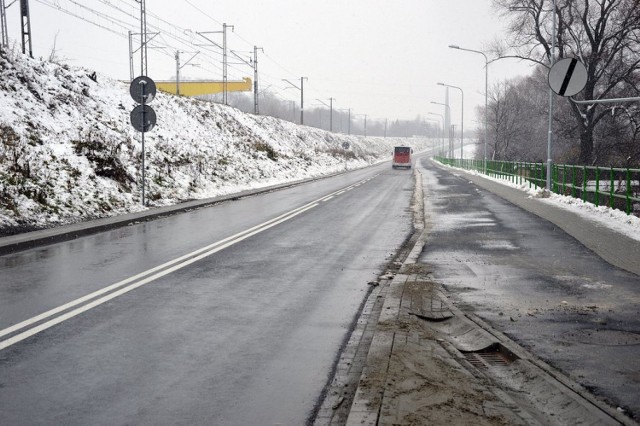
(202, 253)
(139, 279)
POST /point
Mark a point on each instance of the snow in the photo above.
(617, 220)
(68, 151)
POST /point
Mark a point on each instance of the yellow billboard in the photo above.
(198, 88)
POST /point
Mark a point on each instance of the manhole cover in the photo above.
(603, 337)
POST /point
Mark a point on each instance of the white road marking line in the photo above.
(176, 266)
(150, 274)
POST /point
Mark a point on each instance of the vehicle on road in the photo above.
(402, 157)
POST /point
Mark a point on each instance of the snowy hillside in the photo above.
(68, 151)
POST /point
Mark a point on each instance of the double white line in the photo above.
(112, 291)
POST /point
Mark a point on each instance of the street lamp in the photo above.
(449, 109)
(486, 96)
(442, 134)
(461, 119)
(433, 120)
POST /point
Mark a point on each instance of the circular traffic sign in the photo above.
(143, 118)
(142, 89)
(345, 145)
(567, 77)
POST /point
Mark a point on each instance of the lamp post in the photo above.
(449, 108)
(442, 134)
(433, 120)
(461, 119)
(486, 97)
(551, 98)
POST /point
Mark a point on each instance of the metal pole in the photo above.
(224, 63)
(178, 72)
(331, 114)
(486, 111)
(462, 118)
(302, 99)
(143, 38)
(142, 117)
(255, 79)
(131, 55)
(551, 99)
(3, 24)
(25, 20)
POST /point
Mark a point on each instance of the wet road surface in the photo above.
(243, 329)
(537, 284)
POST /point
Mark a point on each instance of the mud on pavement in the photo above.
(427, 362)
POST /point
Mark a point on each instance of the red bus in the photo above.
(402, 157)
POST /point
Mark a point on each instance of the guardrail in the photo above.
(618, 188)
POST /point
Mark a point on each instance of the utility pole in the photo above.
(3, 25)
(255, 79)
(224, 55)
(349, 124)
(25, 20)
(132, 52)
(386, 121)
(330, 105)
(254, 64)
(302, 79)
(179, 67)
(225, 83)
(301, 89)
(331, 114)
(143, 38)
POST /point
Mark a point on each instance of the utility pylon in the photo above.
(26, 27)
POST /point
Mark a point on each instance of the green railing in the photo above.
(618, 188)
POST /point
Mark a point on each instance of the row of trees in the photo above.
(339, 121)
(605, 36)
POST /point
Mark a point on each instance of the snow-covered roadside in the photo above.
(68, 151)
(602, 215)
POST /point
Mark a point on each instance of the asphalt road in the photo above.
(232, 314)
(539, 285)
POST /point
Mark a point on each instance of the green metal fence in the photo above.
(618, 188)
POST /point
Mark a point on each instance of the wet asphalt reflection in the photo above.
(537, 284)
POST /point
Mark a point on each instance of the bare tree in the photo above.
(603, 34)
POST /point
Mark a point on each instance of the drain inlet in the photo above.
(495, 355)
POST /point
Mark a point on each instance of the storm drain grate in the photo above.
(494, 355)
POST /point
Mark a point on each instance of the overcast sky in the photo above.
(382, 58)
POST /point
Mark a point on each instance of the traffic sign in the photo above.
(143, 118)
(142, 89)
(567, 77)
(345, 145)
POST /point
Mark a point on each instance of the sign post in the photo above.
(143, 117)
